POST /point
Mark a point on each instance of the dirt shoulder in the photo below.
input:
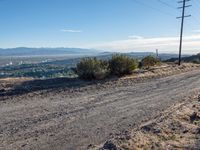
(176, 128)
(19, 86)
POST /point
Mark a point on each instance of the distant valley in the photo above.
(55, 62)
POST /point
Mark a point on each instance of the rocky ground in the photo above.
(73, 114)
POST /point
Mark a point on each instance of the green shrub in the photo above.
(149, 61)
(196, 61)
(121, 65)
(92, 68)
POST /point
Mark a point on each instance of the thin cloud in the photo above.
(164, 44)
(135, 37)
(71, 31)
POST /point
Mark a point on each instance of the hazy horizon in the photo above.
(101, 50)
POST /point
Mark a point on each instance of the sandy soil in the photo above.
(176, 128)
(72, 114)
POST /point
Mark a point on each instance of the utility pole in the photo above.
(157, 53)
(182, 24)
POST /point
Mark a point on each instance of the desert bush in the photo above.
(196, 61)
(121, 65)
(92, 68)
(149, 61)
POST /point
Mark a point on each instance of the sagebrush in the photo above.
(92, 68)
(149, 61)
(121, 65)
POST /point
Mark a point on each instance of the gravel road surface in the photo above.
(72, 120)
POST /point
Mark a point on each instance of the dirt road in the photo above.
(73, 120)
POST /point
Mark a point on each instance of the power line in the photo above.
(166, 4)
(195, 13)
(196, 7)
(153, 8)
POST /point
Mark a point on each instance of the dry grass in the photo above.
(162, 70)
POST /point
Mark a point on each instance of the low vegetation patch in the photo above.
(92, 68)
(121, 65)
(149, 61)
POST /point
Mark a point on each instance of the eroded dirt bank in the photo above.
(73, 118)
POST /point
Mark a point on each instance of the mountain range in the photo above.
(24, 51)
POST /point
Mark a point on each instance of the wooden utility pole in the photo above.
(182, 24)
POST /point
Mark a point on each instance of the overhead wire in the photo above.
(197, 6)
(166, 4)
(153, 8)
(163, 12)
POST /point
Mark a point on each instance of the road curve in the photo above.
(57, 120)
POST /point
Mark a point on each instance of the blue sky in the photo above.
(111, 25)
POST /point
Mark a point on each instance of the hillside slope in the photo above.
(193, 58)
(73, 117)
